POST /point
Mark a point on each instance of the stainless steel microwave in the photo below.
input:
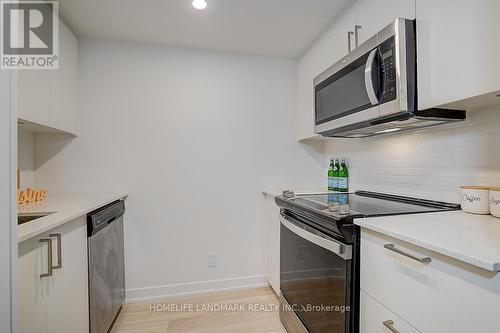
(373, 90)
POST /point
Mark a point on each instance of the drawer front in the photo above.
(444, 295)
(375, 318)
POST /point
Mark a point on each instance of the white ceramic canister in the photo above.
(476, 199)
(495, 201)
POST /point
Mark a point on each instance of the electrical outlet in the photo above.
(212, 259)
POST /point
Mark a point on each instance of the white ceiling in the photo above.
(278, 28)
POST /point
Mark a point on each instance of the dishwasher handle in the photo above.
(100, 218)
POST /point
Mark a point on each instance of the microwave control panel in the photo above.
(388, 70)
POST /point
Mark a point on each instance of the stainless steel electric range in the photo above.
(319, 255)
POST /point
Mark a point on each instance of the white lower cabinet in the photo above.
(273, 243)
(443, 295)
(32, 289)
(375, 318)
(56, 303)
(68, 297)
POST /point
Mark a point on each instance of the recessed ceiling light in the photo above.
(199, 4)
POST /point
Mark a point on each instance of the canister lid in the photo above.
(476, 187)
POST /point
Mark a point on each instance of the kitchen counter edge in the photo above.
(473, 239)
(66, 208)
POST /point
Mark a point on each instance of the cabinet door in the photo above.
(68, 298)
(408, 287)
(375, 318)
(335, 43)
(458, 50)
(331, 48)
(63, 83)
(307, 68)
(33, 87)
(273, 244)
(374, 15)
(33, 290)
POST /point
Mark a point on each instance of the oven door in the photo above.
(315, 279)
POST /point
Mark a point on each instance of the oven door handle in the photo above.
(342, 250)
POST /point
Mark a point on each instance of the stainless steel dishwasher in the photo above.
(106, 265)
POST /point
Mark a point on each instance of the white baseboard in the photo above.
(185, 289)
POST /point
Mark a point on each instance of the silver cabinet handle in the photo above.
(49, 257)
(356, 34)
(349, 34)
(390, 325)
(393, 248)
(59, 251)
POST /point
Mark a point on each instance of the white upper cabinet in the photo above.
(307, 68)
(357, 25)
(374, 15)
(49, 97)
(337, 42)
(63, 84)
(331, 48)
(33, 96)
(458, 51)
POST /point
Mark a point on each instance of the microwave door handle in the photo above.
(372, 95)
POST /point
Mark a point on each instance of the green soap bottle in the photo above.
(330, 175)
(336, 170)
(343, 177)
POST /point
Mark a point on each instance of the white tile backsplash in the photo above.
(432, 163)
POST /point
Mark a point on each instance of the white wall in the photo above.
(431, 164)
(8, 247)
(194, 137)
(26, 158)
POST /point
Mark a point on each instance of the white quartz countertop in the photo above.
(474, 239)
(64, 208)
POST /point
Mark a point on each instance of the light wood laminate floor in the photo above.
(242, 311)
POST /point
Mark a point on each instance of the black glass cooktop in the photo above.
(335, 212)
(369, 204)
